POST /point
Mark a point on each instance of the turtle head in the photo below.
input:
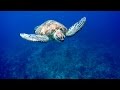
(59, 36)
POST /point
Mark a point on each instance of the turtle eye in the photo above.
(61, 29)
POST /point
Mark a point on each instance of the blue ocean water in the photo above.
(92, 53)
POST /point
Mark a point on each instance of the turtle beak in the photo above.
(62, 40)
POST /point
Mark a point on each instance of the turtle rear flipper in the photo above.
(34, 37)
(76, 27)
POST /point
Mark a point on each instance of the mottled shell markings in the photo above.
(52, 29)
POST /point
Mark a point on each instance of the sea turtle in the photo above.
(53, 30)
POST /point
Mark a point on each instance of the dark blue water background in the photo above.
(93, 52)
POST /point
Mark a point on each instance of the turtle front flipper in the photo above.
(34, 37)
(76, 27)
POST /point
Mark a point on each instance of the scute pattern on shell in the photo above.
(49, 27)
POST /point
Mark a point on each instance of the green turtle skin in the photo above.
(53, 30)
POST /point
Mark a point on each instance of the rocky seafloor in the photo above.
(69, 60)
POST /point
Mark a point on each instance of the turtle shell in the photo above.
(49, 27)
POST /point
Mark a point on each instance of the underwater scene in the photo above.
(90, 46)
